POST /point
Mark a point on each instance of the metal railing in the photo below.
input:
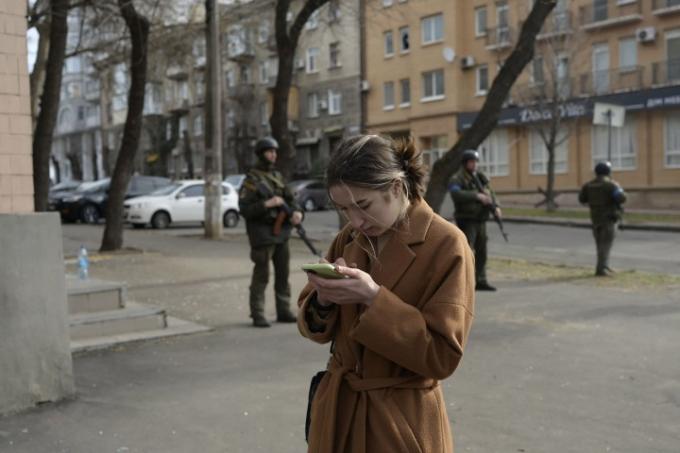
(611, 81)
(557, 23)
(666, 72)
(603, 10)
(662, 4)
(500, 37)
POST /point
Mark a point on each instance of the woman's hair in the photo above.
(375, 162)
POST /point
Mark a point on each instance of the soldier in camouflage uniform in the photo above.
(472, 211)
(262, 194)
(605, 197)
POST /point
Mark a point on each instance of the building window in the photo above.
(627, 53)
(312, 105)
(672, 145)
(388, 96)
(312, 60)
(482, 85)
(198, 125)
(245, 74)
(264, 73)
(389, 44)
(334, 55)
(334, 102)
(493, 154)
(264, 115)
(199, 85)
(434, 148)
(433, 85)
(333, 11)
(404, 42)
(537, 74)
(263, 32)
(405, 85)
(622, 145)
(81, 113)
(480, 21)
(538, 159)
(432, 29)
(72, 65)
(313, 21)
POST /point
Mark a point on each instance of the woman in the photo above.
(400, 317)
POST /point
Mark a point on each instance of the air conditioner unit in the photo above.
(645, 34)
(300, 63)
(365, 86)
(323, 104)
(467, 62)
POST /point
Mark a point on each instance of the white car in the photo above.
(180, 202)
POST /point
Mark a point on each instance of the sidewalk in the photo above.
(543, 367)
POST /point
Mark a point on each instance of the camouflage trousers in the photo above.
(475, 232)
(604, 234)
(279, 254)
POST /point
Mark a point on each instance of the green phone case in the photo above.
(324, 270)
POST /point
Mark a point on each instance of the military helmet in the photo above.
(603, 168)
(470, 154)
(264, 144)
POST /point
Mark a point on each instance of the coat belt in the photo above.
(364, 390)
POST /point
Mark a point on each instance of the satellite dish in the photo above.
(449, 54)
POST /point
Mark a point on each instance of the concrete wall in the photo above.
(35, 358)
(34, 337)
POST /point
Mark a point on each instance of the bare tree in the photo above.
(547, 95)
(49, 102)
(138, 27)
(487, 118)
(286, 43)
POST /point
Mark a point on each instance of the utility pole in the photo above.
(212, 166)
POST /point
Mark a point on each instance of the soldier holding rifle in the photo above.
(474, 201)
(271, 212)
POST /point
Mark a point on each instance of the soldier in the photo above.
(472, 211)
(605, 197)
(262, 195)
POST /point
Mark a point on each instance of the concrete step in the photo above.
(93, 296)
(175, 327)
(130, 319)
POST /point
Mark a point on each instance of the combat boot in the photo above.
(484, 286)
(286, 317)
(260, 321)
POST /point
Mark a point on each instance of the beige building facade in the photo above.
(16, 165)
(625, 53)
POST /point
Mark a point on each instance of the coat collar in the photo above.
(396, 256)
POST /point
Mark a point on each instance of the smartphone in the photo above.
(324, 270)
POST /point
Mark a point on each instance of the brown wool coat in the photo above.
(381, 392)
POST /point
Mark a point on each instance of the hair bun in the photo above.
(412, 162)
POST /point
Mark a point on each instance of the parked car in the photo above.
(88, 202)
(180, 202)
(311, 194)
(235, 180)
(60, 190)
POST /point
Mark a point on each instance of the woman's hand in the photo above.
(358, 288)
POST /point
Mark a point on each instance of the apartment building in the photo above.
(613, 51)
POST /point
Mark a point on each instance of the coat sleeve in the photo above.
(459, 193)
(251, 204)
(583, 195)
(310, 324)
(427, 341)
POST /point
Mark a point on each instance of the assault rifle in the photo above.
(493, 207)
(285, 212)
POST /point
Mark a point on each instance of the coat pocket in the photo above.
(406, 434)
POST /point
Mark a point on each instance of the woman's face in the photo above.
(372, 212)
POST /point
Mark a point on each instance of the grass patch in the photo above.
(513, 269)
(629, 217)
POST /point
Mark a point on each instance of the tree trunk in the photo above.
(49, 103)
(487, 118)
(188, 154)
(76, 167)
(286, 43)
(138, 27)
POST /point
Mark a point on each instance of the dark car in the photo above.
(88, 203)
(311, 194)
(60, 190)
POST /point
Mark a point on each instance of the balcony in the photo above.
(612, 81)
(609, 13)
(665, 7)
(542, 92)
(557, 24)
(666, 73)
(238, 51)
(500, 38)
(242, 91)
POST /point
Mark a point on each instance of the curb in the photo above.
(584, 224)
